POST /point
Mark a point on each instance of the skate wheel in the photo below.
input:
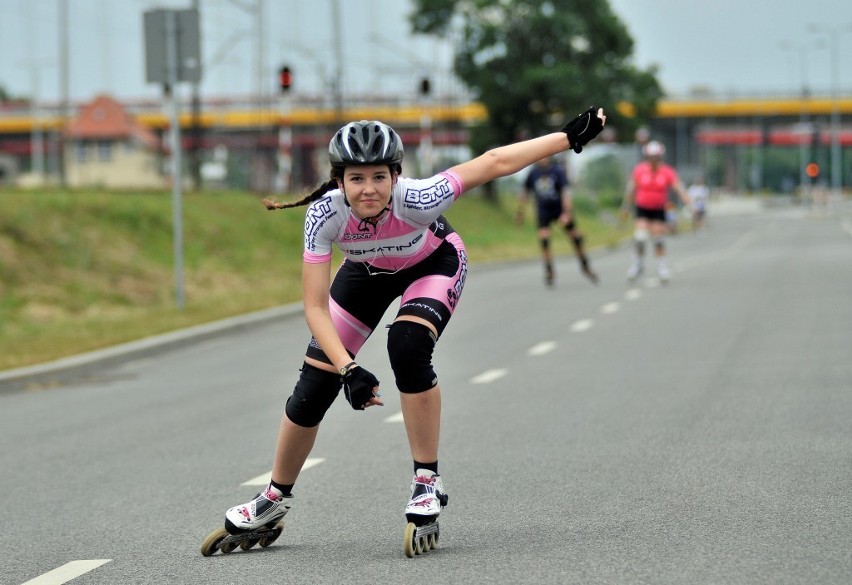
(267, 540)
(408, 545)
(211, 543)
(227, 547)
(247, 544)
(432, 541)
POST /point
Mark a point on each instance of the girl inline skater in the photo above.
(396, 244)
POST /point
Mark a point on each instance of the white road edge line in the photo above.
(542, 348)
(67, 572)
(488, 376)
(264, 478)
(582, 325)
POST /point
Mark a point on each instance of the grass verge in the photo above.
(85, 270)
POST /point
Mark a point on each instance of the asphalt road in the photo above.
(699, 432)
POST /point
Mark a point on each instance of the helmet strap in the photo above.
(373, 220)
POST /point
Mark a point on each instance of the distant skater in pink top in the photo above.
(396, 244)
(648, 192)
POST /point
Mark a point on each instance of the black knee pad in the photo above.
(410, 347)
(313, 395)
(545, 243)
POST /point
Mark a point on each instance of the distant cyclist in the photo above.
(552, 193)
(648, 192)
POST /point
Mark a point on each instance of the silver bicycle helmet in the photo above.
(365, 143)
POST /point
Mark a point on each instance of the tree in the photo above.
(536, 63)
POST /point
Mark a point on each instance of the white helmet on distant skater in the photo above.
(654, 148)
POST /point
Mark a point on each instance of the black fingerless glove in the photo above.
(358, 386)
(583, 128)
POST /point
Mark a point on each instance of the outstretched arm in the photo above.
(506, 160)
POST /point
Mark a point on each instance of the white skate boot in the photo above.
(635, 270)
(663, 271)
(255, 522)
(427, 501)
(266, 508)
(427, 497)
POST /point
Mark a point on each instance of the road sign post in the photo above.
(172, 55)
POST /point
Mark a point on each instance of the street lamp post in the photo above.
(338, 61)
(64, 61)
(804, 119)
(428, 72)
(833, 33)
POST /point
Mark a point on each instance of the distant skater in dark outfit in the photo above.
(552, 193)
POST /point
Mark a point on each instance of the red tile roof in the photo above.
(106, 119)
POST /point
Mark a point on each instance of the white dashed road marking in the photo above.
(264, 478)
(67, 572)
(396, 418)
(633, 294)
(582, 325)
(488, 376)
(542, 348)
(610, 308)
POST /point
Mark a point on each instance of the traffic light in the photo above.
(285, 79)
(425, 86)
(812, 170)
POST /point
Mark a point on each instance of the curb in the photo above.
(81, 366)
(76, 367)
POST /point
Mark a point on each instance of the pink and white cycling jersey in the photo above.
(400, 239)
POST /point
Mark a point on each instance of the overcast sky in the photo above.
(728, 46)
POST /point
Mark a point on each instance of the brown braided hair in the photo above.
(330, 185)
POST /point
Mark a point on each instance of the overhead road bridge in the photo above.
(693, 128)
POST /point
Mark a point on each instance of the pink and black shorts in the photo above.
(360, 294)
